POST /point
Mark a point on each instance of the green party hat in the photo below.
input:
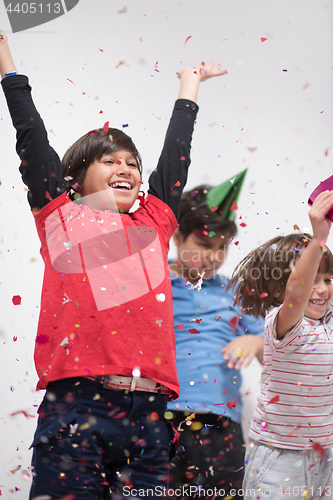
(223, 198)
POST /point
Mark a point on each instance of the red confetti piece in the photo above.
(120, 63)
(263, 295)
(206, 233)
(100, 112)
(233, 206)
(263, 39)
(101, 50)
(14, 339)
(232, 404)
(217, 319)
(177, 184)
(198, 321)
(180, 327)
(42, 339)
(214, 208)
(236, 243)
(187, 39)
(106, 127)
(154, 416)
(16, 300)
(193, 330)
(120, 415)
(24, 412)
(274, 400)
(233, 322)
(182, 158)
(243, 224)
(318, 448)
(71, 81)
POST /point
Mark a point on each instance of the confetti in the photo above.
(106, 127)
(263, 295)
(180, 327)
(318, 448)
(193, 330)
(198, 284)
(233, 322)
(42, 339)
(187, 39)
(243, 224)
(70, 81)
(14, 338)
(24, 412)
(120, 63)
(16, 300)
(233, 206)
(263, 39)
(213, 208)
(232, 404)
(274, 400)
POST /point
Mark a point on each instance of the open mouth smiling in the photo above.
(121, 185)
(318, 302)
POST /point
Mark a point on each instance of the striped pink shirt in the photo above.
(295, 405)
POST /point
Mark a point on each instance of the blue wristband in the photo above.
(10, 74)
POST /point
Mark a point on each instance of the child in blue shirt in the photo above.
(209, 410)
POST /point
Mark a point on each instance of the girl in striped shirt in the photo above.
(288, 280)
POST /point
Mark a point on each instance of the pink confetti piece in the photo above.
(232, 404)
(263, 39)
(42, 339)
(71, 81)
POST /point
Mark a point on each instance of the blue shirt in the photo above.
(206, 383)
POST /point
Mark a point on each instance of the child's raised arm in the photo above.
(40, 168)
(167, 181)
(301, 280)
(7, 65)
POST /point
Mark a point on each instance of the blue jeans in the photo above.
(91, 441)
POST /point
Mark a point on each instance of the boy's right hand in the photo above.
(321, 206)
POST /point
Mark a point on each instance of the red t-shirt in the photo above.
(106, 305)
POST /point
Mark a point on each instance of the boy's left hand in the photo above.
(242, 350)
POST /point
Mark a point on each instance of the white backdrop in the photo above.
(115, 61)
